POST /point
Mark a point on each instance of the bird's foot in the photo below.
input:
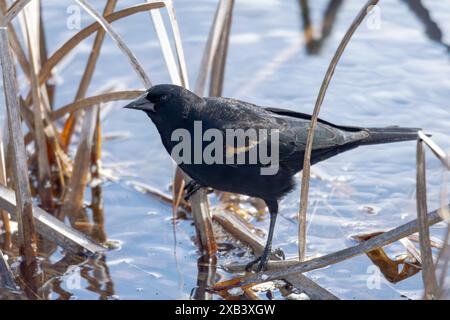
(191, 188)
(262, 264)
(264, 259)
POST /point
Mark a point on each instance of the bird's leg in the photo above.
(191, 188)
(262, 260)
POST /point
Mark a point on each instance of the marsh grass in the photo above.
(35, 162)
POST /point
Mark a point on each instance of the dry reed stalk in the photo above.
(119, 42)
(220, 56)
(178, 74)
(178, 44)
(202, 220)
(178, 185)
(428, 272)
(94, 100)
(166, 48)
(282, 269)
(211, 45)
(49, 87)
(51, 228)
(438, 152)
(24, 209)
(4, 215)
(73, 200)
(96, 189)
(30, 22)
(87, 77)
(309, 142)
(434, 289)
(442, 264)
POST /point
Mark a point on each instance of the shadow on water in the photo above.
(432, 29)
(314, 45)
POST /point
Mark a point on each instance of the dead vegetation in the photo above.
(35, 162)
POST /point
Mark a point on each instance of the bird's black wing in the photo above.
(224, 113)
(304, 116)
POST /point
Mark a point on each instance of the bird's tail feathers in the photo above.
(389, 134)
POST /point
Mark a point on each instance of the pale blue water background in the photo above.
(391, 75)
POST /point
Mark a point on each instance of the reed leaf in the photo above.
(90, 101)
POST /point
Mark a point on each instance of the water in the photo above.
(392, 73)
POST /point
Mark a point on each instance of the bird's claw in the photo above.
(262, 264)
(191, 188)
(264, 259)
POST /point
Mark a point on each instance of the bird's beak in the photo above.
(141, 103)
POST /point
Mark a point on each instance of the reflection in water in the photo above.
(314, 45)
(432, 29)
(207, 267)
(70, 270)
(65, 275)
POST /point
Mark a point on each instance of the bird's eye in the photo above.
(164, 98)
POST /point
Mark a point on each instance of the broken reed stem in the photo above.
(119, 42)
(309, 142)
(282, 269)
(428, 270)
(24, 209)
(4, 215)
(87, 77)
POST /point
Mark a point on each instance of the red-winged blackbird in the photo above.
(172, 107)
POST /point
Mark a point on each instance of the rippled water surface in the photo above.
(395, 71)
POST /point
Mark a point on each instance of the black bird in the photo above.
(172, 107)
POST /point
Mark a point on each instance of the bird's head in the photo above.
(165, 102)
